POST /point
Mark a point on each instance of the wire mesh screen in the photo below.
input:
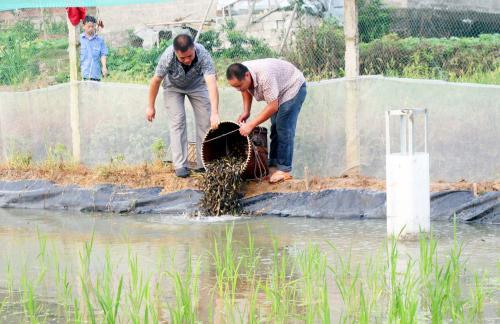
(454, 42)
(440, 40)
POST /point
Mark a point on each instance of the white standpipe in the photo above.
(407, 178)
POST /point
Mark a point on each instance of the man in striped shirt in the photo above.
(282, 86)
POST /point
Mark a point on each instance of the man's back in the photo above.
(274, 79)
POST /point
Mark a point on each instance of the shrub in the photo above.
(319, 50)
(374, 20)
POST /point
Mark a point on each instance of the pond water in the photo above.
(155, 238)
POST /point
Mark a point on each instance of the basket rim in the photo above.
(249, 145)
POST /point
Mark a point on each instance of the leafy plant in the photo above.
(159, 149)
(374, 19)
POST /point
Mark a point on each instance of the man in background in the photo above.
(93, 52)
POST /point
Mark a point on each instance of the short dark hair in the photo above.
(89, 19)
(236, 70)
(183, 42)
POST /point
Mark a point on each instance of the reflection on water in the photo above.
(156, 238)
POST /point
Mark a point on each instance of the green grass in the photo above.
(293, 285)
(28, 60)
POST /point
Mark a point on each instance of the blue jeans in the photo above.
(283, 124)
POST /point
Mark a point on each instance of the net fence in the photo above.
(341, 125)
(459, 42)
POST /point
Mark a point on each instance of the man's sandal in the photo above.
(280, 176)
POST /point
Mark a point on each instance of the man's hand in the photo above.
(243, 117)
(104, 71)
(150, 113)
(214, 120)
(246, 128)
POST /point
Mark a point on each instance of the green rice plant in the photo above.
(251, 262)
(186, 288)
(10, 279)
(280, 288)
(325, 304)
(85, 280)
(42, 257)
(312, 265)
(456, 301)
(31, 306)
(478, 295)
(403, 299)
(66, 292)
(3, 304)
(251, 259)
(442, 294)
(227, 264)
(347, 281)
(253, 315)
(77, 315)
(138, 292)
(90, 314)
(107, 297)
(85, 256)
(375, 283)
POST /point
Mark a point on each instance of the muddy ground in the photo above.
(159, 175)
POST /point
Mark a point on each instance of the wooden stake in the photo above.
(306, 177)
(474, 189)
(203, 21)
(288, 27)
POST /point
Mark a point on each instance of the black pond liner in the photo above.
(329, 204)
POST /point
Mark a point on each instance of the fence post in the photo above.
(352, 154)
(73, 79)
(351, 39)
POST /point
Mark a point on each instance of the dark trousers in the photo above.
(283, 124)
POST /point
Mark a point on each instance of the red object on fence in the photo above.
(75, 14)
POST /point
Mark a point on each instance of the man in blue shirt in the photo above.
(93, 52)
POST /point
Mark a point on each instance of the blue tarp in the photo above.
(22, 4)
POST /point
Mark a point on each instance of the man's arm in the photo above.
(270, 109)
(104, 67)
(154, 86)
(104, 54)
(247, 107)
(213, 94)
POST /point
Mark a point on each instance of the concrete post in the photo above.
(352, 154)
(73, 79)
(351, 39)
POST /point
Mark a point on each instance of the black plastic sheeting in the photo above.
(334, 204)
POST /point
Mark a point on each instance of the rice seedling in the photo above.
(254, 285)
(186, 288)
(32, 308)
(138, 292)
(107, 297)
(280, 288)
